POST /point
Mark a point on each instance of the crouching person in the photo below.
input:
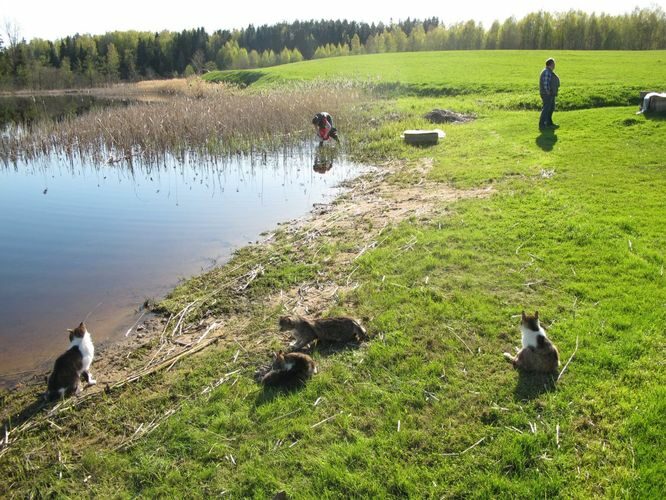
(323, 122)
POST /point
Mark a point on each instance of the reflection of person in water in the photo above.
(323, 160)
(321, 167)
(323, 122)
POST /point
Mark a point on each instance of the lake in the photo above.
(78, 239)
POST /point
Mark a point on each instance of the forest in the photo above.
(86, 60)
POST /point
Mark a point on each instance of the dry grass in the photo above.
(193, 87)
(199, 118)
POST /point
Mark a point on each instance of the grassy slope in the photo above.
(590, 77)
(582, 243)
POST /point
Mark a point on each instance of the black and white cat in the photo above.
(538, 354)
(65, 379)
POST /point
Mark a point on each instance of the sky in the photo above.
(51, 20)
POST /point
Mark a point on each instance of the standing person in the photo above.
(325, 129)
(549, 84)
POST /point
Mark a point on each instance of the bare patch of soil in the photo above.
(371, 205)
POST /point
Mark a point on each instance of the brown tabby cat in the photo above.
(340, 329)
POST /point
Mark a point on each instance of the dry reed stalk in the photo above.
(567, 363)
(326, 420)
(215, 123)
(466, 449)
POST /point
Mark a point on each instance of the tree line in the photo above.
(89, 60)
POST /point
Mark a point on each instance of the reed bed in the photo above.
(188, 87)
(217, 121)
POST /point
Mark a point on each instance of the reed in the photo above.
(205, 120)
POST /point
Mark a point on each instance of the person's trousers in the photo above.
(546, 117)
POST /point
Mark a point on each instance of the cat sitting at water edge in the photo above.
(65, 379)
(538, 354)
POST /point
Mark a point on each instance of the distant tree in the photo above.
(401, 39)
(492, 36)
(65, 70)
(572, 30)
(356, 44)
(321, 52)
(371, 45)
(227, 54)
(267, 58)
(509, 35)
(547, 30)
(417, 38)
(198, 61)
(296, 55)
(530, 28)
(128, 66)
(254, 58)
(284, 57)
(437, 38)
(112, 63)
(471, 36)
(307, 46)
(13, 37)
(592, 34)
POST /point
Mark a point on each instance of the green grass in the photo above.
(589, 78)
(575, 227)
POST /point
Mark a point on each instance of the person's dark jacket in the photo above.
(549, 82)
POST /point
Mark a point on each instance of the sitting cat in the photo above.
(66, 376)
(340, 329)
(289, 370)
(538, 353)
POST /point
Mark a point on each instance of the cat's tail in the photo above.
(361, 332)
(510, 358)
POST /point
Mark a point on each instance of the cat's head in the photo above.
(78, 332)
(286, 322)
(278, 360)
(531, 322)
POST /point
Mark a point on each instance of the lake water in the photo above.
(77, 238)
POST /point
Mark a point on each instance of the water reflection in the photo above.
(77, 237)
(323, 159)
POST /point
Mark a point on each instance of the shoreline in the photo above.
(114, 325)
(174, 333)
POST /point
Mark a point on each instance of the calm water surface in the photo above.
(76, 238)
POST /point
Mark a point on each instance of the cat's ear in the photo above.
(536, 314)
(82, 326)
(523, 316)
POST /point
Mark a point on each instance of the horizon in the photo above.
(54, 23)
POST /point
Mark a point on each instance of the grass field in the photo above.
(591, 78)
(574, 226)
